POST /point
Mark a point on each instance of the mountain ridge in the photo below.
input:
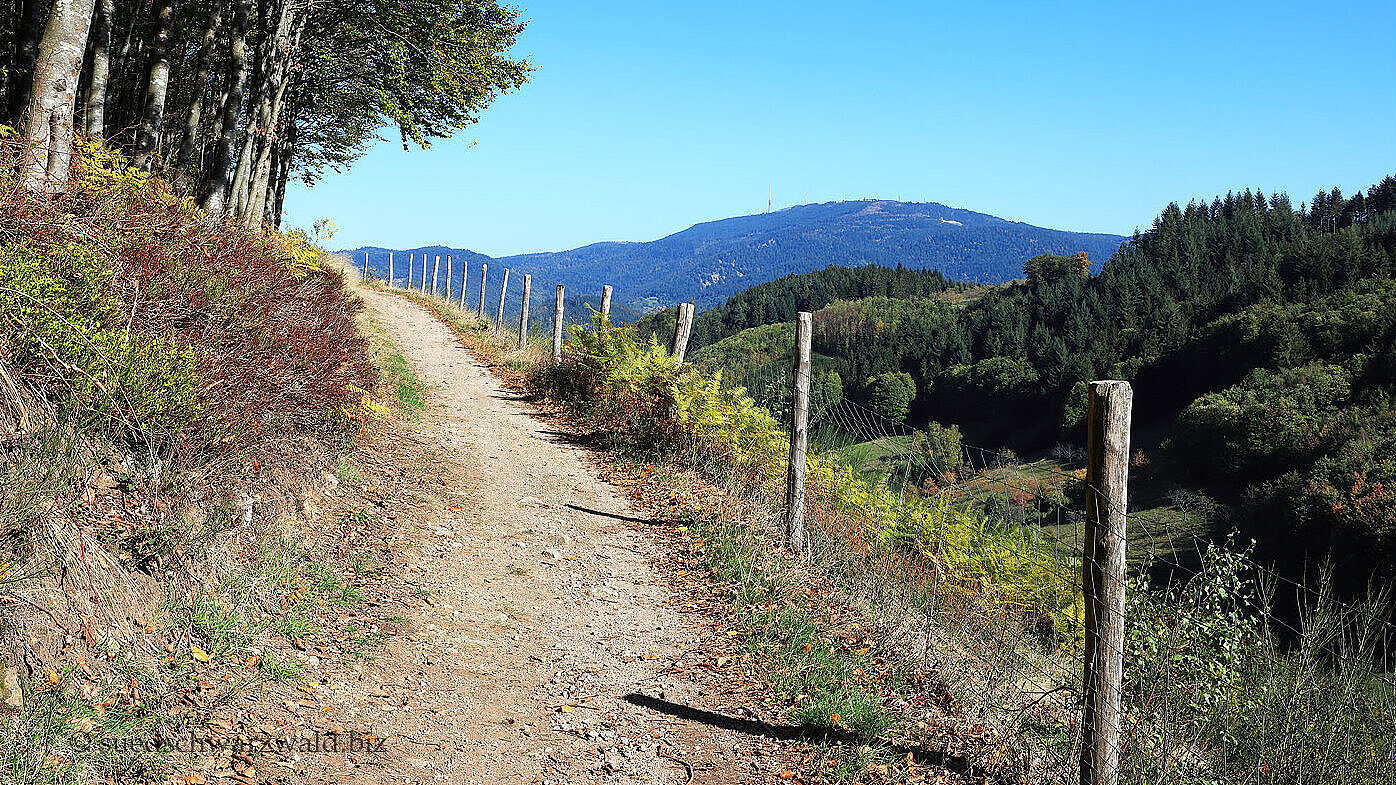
(712, 260)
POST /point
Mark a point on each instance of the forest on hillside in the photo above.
(1260, 338)
(229, 100)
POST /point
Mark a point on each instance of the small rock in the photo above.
(10, 691)
(552, 553)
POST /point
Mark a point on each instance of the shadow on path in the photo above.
(923, 757)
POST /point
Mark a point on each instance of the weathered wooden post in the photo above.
(464, 277)
(503, 287)
(606, 302)
(523, 315)
(448, 279)
(410, 263)
(391, 281)
(424, 273)
(365, 266)
(557, 327)
(1103, 578)
(683, 328)
(484, 269)
(435, 271)
(799, 436)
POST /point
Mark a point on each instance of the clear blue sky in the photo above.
(643, 118)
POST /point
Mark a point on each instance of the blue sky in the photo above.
(643, 118)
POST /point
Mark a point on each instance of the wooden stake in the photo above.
(435, 271)
(605, 304)
(448, 279)
(683, 328)
(1103, 578)
(484, 270)
(503, 287)
(557, 327)
(799, 436)
(391, 281)
(423, 290)
(464, 277)
(365, 266)
(523, 315)
(411, 256)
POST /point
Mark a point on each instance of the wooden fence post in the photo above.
(683, 328)
(799, 436)
(365, 266)
(391, 282)
(484, 269)
(464, 277)
(557, 327)
(424, 273)
(523, 315)
(448, 279)
(435, 272)
(1103, 578)
(503, 287)
(411, 263)
(606, 302)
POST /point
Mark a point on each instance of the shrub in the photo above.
(125, 304)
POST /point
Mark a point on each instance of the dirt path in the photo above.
(545, 611)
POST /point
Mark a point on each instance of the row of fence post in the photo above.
(1107, 480)
(1103, 565)
(683, 327)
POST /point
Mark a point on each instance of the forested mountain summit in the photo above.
(711, 261)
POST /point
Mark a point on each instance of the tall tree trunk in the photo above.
(285, 151)
(277, 70)
(95, 102)
(48, 124)
(213, 194)
(242, 176)
(157, 86)
(190, 139)
(21, 76)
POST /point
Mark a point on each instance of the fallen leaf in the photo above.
(199, 654)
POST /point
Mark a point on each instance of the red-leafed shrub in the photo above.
(129, 309)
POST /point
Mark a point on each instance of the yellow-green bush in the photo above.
(65, 329)
(628, 388)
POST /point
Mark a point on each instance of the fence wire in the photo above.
(1233, 672)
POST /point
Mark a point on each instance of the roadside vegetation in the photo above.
(167, 384)
(979, 588)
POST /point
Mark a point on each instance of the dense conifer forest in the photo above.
(1260, 338)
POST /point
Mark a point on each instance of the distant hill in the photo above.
(710, 262)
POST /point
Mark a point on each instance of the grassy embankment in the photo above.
(1216, 688)
(170, 387)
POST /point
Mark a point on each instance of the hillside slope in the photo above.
(710, 262)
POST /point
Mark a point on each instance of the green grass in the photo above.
(408, 390)
(810, 665)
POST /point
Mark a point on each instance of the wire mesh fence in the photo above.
(1231, 671)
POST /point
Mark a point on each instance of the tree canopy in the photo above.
(230, 99)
